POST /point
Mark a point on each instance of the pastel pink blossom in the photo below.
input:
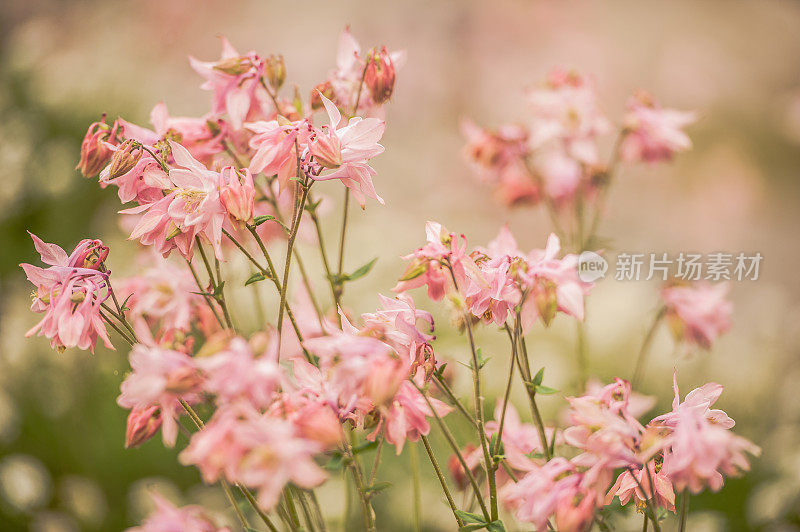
(698, 313)
(237, 192)
(520, 440)
(396, 323)
(355, 144)
(142, 424)
(406, 416)
(555, 491)
(161, 377)
(236, 373)
(257, 450)
(629, 485)
(193, 208)
(652, 133)
(566, 111)
(168, 518)
(95, 149)
(70, 293)
(278, 147)
(141, 178)
(235, 81)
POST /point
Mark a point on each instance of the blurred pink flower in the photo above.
(169, 518)
(627, 486)
(698, 313)
(161, 377)
(653, 134)
(142, 424)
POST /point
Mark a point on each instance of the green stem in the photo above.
(684, 510)
(209, 300)
(417, 494)
(507, 394)
(442, 481)
(641, 359)
(525, 370)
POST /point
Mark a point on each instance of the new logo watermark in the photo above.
(591, 266)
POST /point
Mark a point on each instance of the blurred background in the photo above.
(63, 63)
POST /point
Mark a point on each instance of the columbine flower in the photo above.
(235, 373)
(565, 111)
(701, 446)
(235, 80)
(142, 424)
(161, 377)
(237, 193)
(347, 155)
(169, 518)
(277, 148)
(379, 75)
(555, 490)
(699, 313)
(256, 450)
(654, 134)
(135, 172)
(628, 486)
(193, 208)
(70, 294)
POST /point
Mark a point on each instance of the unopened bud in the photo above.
(275, 71)
(238, 193)
(142, 425)
(95, 153)
(90, 254)
(125, 158)
(546, 301)
(380, 76)
(326, 89)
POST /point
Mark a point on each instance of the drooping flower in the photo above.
(95, 151)
(698, 313)
(235, 81)
(257, 450)
(169, 518)
(142, 424)
(237, 193)
(629, 485)
(70, 294)
(161, 377)
(653, 134)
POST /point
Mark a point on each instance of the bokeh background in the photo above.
(63, 63)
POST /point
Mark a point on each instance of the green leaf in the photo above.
(537, 380)
(124, 305)
(476, 522)
(468, 517)
(362, 271)
(481, 360)
(256, 277)
(377, 487)
(553, 442)
(545, 390)
(364, 447)
(258, 220)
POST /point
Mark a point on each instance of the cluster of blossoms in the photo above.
(555, 156)
(295, 400)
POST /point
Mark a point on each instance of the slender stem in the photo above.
(478, 403)
(644, 523)
(525, 370)
(229, 149)
(454, 400)
(221, 288)
(317, 510)
(305, 509)
(509, 383)
(546, 199)
(338, 291)
(208, 298)
(292, 510)
(121, 319)
(295, 226)
(374, 473)
(417, 495)
(214, 284)
(442, 481)
(641, 359)
(684, 510)
(355, 468)
(454, 446)
(232, 500)
(603, 192)
(114, 326)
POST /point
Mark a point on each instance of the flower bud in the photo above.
(142, 425)
(125, 158)
(95, 153)
(544, 295)
(91, 254)
(326, 89)
(379, 76)
(238, 193)
(275, 71)
(326, 149)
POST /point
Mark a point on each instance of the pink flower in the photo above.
(701, 446)
(355, 144)
(235, 373)
(169, 518)
(193, 208)
(699, 313)
(237, 193)
(379, 75)
(135, 172)
(653, 134)
(70, 294)
(555, 490)
(406, 416)
(566, 111)
(396, 323)
(235, 80)
(256, 450)
(142, 424)
(160, 378)
(277, 148)
(627, 486)
(520, 439)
